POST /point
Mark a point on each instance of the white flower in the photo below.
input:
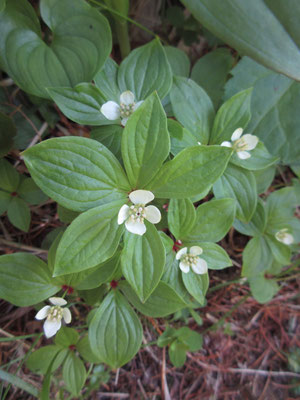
(134, 215)
(54, 315)
(284, 236)
(112, 110)
(241, 144)
(191, 260)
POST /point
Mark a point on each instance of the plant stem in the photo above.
(221, 285)
(12, 338)
(227, 314)
(22, 246)
(22, 362)
(122, 35)
(124, 17)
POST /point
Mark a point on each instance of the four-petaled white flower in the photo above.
(192, 260)
(134, 215)
(284, 236)
(54, 315)
(241, 144)
(112, 110)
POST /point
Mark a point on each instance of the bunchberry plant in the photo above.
(152, 190)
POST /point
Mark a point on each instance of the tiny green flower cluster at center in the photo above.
(126, 110)
(55, 313)
(137, 213)
(189, 259)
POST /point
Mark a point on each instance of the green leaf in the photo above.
(146, 69)
(281, 205)
(2, 5)
(78, 173)
(80, 45)
(196, 285)
(29, 275)
(18, 213)
(266, 31)
(9, 176)
(215, 256)
(66, 337)
(260, 159)
(192, 108)
(234, 113)
(178, 60)
(107, 80)
(239, 184)
(275, 117)
(40, 360)
(74, 280)
(162, 302)
(84, 349)
(181, 138)
(262, 289)
(172, 276)
(101, 274)
(177, 353)
(74, 374)
(190, 338)
(280, 251)
(264, 178)
(92, 238)
(110, 136)
(19, 383)
(30, 192)
(220, 61)
(181, 217)
(143, 261)
(213, 220)
(191, 172)
(65, 215)
(93, 296)
(115, 331)
(256, 225)
(167, 337)
(7, 132)
(257, 257)
(81, 104)
(5, 199)
(145, 142)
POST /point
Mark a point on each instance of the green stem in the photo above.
(123, 37)
(9, 339)
(111, 10)
(288, 278)
(227, 314)
(22, 362)
(221, 285)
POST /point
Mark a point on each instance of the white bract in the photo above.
(112, 110)
(54, 315)
(241, 144)
(284, 236)
(134, 215)
(192, 260)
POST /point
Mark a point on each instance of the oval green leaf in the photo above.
(80, 45)
(91, 239)
(115, 331)
(143, 261)
(145, 70)
(163, 301)
(191, 172)
(192, 107)
(25, 280)
(213, 220)
(145, 142)
(78, 173)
